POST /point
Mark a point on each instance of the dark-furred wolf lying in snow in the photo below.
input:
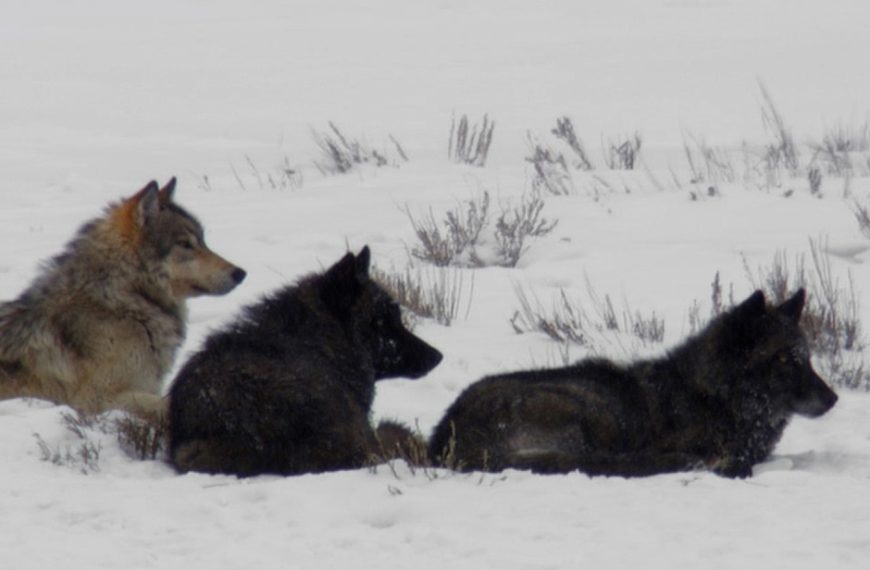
(720, 401)
(288, 387)
(100, 326)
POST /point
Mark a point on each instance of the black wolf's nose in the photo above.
(238, 275)
(435, 358)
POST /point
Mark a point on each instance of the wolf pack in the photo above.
(287, 387)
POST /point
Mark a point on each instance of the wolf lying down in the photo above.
(99, 327)
(288, 387)
(720, 401)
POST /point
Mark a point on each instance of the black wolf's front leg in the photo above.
(747, 444)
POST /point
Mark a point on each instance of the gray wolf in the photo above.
(720, 401)
(288, 387)
(100, 325)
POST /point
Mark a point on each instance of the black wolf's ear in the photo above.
(794, 306)
(167, 192)
(363, 262)
(342, 284)
(344, 268)
(753, 305)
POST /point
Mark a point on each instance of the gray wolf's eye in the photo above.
(186, 243)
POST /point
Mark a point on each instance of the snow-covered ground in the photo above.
(97, 99)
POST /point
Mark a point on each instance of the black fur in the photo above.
(720, 401)
(288, 388)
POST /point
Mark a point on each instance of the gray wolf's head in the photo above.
(164, 231)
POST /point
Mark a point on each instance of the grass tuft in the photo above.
(340, 153)
(470, 143)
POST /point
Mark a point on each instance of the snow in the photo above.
(98, 99)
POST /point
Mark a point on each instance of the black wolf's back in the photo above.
(547, 420)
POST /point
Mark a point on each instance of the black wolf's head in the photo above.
(770, 346)
(374, 319)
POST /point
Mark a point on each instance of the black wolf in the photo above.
(720, 401)
(100, 326)
(288, 388)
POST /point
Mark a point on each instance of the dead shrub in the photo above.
(470, 144)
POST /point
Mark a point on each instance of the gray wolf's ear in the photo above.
(147, 189)
(794, 306)
(145, 203)
(167, 192)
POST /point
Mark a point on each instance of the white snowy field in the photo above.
(99, 98)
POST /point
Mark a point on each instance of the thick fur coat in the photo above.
(100, 326)
(720, 401)
(288, 387)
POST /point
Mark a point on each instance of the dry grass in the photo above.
(454, 241)
(836, 152)
(143, 437)
(554, 161)
(432, 293)
(284, 177)
(622, 153)
(564, 131)
(517, 224)
(83, 457)
(862, 216)
(457, 240)
(340, 153)
(470, 143)
(551, 172)
(831, 318)
(585, 324)
(707, 164)
(782, 153)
